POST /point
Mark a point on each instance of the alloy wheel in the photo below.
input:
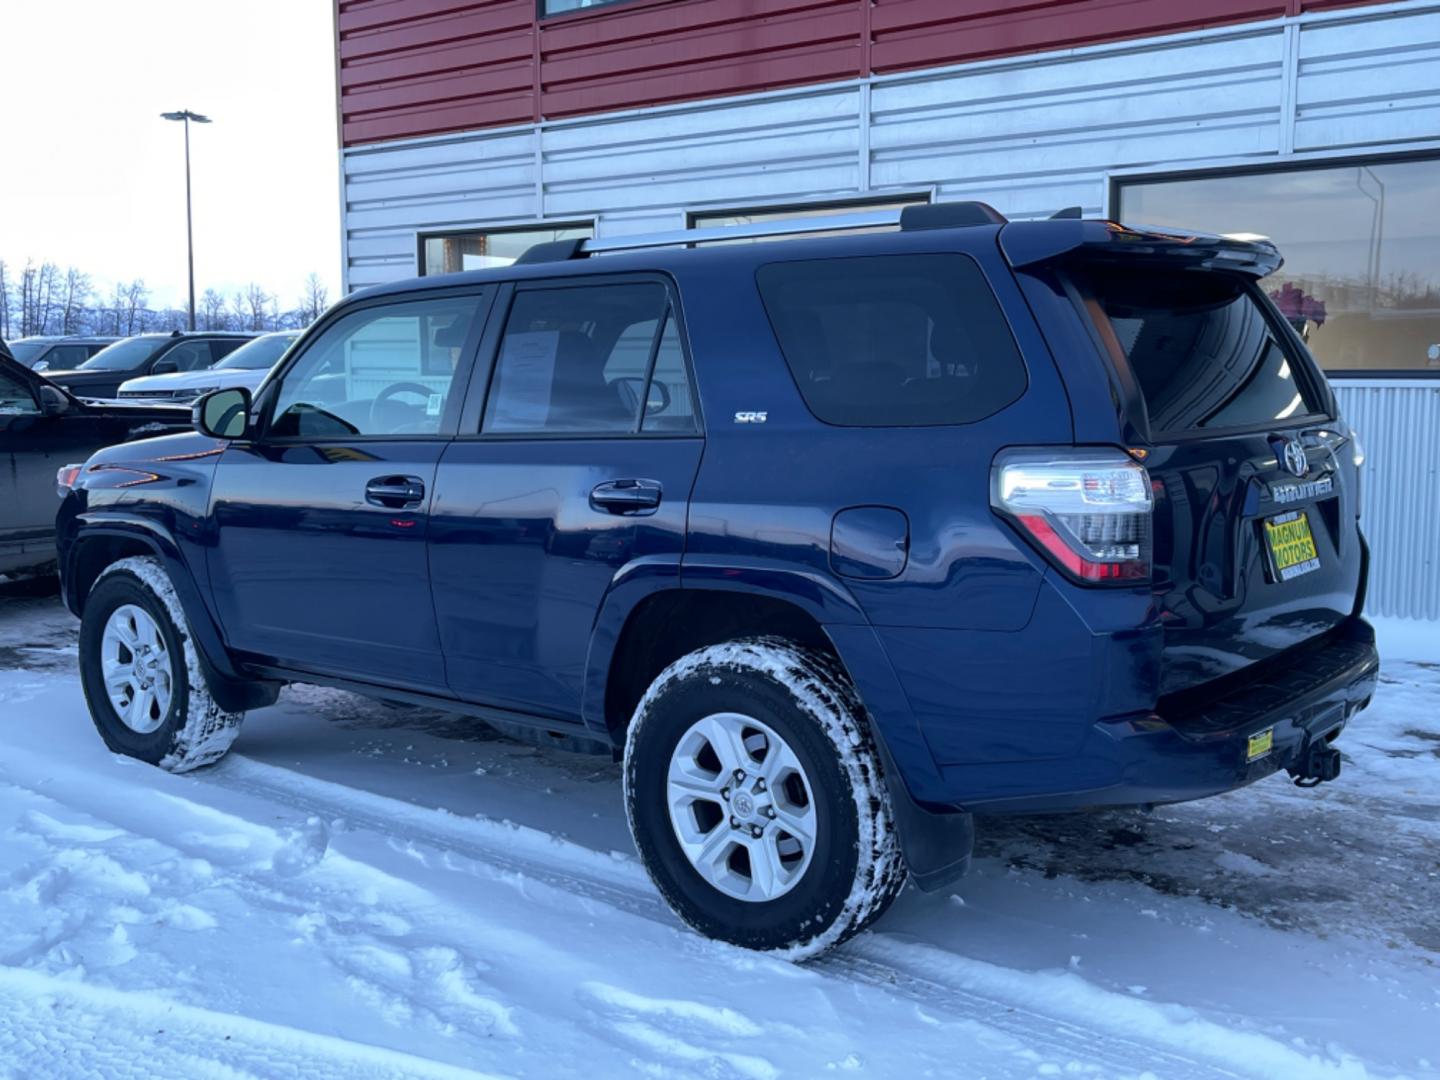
(741, 807)
(136, 665)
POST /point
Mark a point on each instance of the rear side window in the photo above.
(1200, 347)
(893, 340)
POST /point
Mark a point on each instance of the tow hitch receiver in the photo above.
(1318, 762)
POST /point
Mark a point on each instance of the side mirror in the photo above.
(164, 367)
(222, 414)
(53, 401)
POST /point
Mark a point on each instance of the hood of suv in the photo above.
(78, 380)
(184, 385)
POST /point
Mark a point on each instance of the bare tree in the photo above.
(75, 297)
(43, 298)
(25, 289)
(136, 313)
(314, 300)
(256, 302)
(4, 301)
(212, 311)
(115, 313)
(239, 313)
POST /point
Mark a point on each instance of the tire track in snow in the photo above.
(562, 865)
(575, 872)
(63, 1027)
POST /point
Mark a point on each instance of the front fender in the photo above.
(84, 558)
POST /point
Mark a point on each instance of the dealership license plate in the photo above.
(1292, 546)
(1259, 744)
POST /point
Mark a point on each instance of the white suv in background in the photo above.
(247, 366)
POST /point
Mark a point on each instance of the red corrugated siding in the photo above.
(918, 33)
(422, 67)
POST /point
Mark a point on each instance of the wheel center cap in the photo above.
(744, 804)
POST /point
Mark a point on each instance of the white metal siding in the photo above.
(1399, 425)
(1027, 134)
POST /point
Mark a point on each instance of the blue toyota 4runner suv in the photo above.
(836, 540)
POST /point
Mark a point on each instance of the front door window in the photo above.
(387, 370)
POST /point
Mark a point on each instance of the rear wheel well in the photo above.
(668, 625)
(93, 555)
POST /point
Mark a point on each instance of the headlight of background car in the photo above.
(191, 395)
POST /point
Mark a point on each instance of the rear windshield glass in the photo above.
(1200, 347)
(893, 340)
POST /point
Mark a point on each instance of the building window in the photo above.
(704, 219)
(1361, 241)
(562, 7)
(481, 249)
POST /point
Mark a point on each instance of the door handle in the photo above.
(633, 497)
(395, 492)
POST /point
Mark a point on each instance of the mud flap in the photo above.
(936, 845)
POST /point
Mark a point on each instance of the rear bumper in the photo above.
(1195, 746)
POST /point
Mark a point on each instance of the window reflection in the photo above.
(713, 218)
(478, 250)
(1361, 280)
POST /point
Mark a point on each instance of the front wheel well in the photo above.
(668, 625)
(92, 555)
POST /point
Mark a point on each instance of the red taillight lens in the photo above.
(1089, 511)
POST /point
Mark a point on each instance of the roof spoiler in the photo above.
(1028, 243)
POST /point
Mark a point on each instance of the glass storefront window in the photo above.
(559, 7)
(479, 250)
(713, 218)
(1361, 280)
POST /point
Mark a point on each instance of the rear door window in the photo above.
(893, 340)
(1200, 346)
(582, 358)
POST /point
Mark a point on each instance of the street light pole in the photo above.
(185, 116)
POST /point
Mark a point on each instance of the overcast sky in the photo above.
(90, 176)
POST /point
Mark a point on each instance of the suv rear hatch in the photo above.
(1256, 545)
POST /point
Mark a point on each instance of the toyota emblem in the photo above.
(1294, 458)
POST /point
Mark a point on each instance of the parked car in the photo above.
(835, 540)
(42, 428)
(67, 351)
(247, 366)
(146, 354)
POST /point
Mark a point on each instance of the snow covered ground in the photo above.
(359, 891)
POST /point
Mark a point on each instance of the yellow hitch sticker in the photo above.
(1260, 744)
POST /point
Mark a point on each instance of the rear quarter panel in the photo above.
(768, 493)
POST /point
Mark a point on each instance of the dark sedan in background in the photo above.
(41, 429)
(146, 354)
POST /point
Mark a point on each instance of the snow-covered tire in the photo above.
(804, 699)
(193, 729)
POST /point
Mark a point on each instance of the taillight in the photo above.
(65, 478)
(1088, 511)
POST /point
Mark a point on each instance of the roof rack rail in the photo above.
(924, 216)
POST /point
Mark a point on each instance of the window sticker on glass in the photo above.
(522, 400)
